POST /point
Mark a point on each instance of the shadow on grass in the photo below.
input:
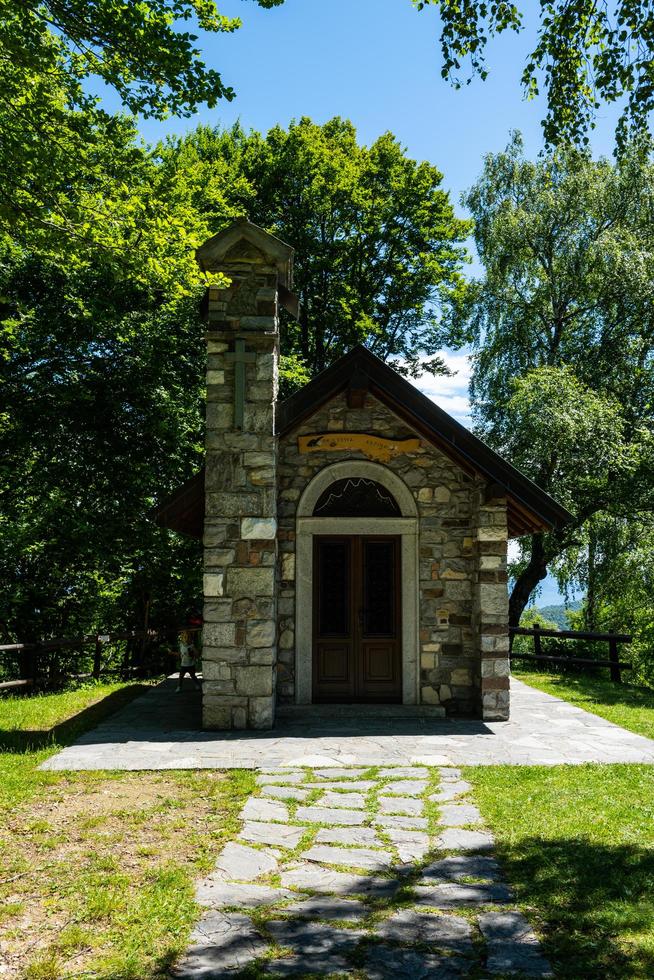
(67, 731)
(593, 689)
(594, 903)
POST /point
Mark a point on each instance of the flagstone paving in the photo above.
(308, 892)
(161, 730)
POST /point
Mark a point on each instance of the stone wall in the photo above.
(491, 607)
(240, 532)
(457, 538)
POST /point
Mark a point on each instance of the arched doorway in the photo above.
(356, 582)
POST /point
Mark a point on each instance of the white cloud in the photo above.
(450, 394)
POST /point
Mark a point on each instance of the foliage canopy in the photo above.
(378, 248)
(586, 52)
(562, 320)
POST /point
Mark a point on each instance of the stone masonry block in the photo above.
(232, 504)
(220, 415)
(258, 528)
(429, 696)
(254, 681)
(491, 534)
(227, 655)
(288, 568)
(250, 582)
(220, 634)
(215, 715)
(213, 583)
(217, 610)
(495, 644)
(261, 712)
(260, 633)
(213, 671)
(493, 598)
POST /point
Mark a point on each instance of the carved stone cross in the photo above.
(240, 357)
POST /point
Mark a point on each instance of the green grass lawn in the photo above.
(577, 844)
(97, 869)
(630, 707)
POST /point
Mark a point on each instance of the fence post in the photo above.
(537, 647)
(97, 657)
(614, 657)
(27, 663)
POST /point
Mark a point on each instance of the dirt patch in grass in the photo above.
(98, 871)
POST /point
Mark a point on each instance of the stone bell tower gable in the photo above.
(240, 526)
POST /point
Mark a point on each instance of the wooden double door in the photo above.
(357, 654)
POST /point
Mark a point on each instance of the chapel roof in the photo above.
(530, 508)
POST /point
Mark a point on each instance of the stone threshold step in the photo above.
(325, 712)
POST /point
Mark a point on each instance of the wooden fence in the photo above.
(615, 665)
(28, 654)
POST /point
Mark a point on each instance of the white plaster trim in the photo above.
(356, 525)
(356, 468)
(406, 527)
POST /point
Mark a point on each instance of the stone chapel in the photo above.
(355, 535)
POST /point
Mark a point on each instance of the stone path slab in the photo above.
(238, 862)
(363, 900)
(271, 833)
(388, 963)
(458, 866)
(453, 896)
(161, 730)
(350, 836)
(459, 815)
(406, 787)
(465, 840)
(216, 894)
(411, 845)
(400, 823)
(323, 814)
(512, 945)
(355, 857)
(444, 931)
(330, 908)
(221, 942)
(404, 805)
(285, 792)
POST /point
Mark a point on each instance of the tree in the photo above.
(618, 576)
(378, 247)
(102, 393)
(103, 356)
(56, 143)
(563, 325)
(587, 52)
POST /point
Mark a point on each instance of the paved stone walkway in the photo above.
(384, 874)
(160, 730)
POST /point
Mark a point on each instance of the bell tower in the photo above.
(240, 526)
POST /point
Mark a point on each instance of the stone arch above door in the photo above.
(405, 526)
(357, 468)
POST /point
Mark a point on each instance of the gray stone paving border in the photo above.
(316, 875)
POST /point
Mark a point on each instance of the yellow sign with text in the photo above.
(374, 447)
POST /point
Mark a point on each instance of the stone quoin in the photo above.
(355, 535)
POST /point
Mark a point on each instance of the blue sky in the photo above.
(377, 62)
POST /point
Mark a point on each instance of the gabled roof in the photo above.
(530, 509)
(247, 242)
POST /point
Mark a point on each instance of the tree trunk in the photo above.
(592, 573)
(526, 582)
